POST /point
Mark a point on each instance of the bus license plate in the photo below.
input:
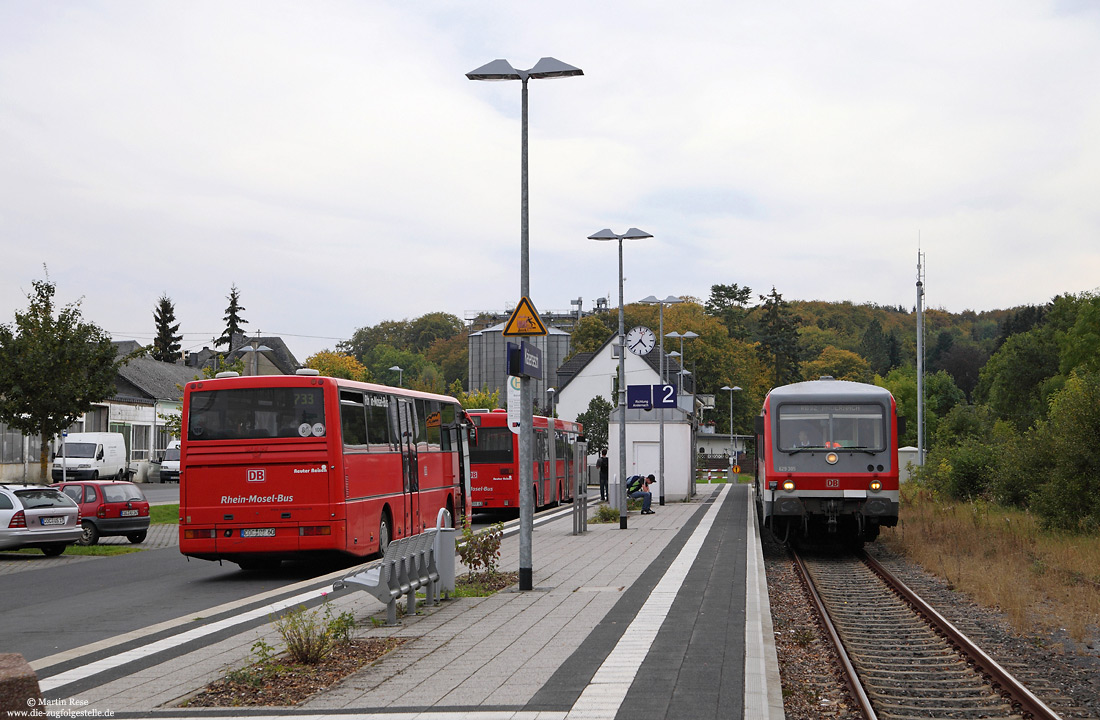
(128, 513)
(258, 532)
(53, 521)
(477, 503)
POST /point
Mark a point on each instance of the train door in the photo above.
(407, 431)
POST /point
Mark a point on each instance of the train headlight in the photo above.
(788, 486)
(831, 458)
(875, 485)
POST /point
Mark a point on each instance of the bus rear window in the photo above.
(494, 445)
(250, 413)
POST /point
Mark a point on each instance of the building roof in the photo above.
(278, 353)
(573, 367)
(144, 378)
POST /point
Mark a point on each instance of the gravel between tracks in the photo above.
(1066, 676)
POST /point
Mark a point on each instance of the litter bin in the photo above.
(444, 551)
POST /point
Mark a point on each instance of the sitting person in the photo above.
(644, 493)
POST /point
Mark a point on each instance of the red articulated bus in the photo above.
(281, 467)
(494, 461)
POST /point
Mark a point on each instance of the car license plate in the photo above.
(258, 532)
(53, 520)
(128, 513)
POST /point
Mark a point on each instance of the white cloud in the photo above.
(333, 161)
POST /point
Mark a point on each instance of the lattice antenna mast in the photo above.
(920, 355)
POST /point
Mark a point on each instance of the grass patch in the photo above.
(1001, 558)
(484, 584)
(164, 514)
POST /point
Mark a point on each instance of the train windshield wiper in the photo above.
(859, 448)
(807, 448)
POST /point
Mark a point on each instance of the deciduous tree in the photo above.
(595, 421)
(338, 365)
(54, 367)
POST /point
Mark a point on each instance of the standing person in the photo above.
(644, 493)
(601, 465)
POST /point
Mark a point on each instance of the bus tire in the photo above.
(451, 512)
(385, 533)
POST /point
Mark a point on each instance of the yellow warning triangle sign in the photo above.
(524, 320)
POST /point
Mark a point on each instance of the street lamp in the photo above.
(550, 401)
(547, 67)
(733, 453)
(689, 335)
(400, 375)
(663, 364)
(606, 235)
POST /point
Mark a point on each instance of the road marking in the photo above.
(120, 659)
(86, 671)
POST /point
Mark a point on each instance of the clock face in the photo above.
(640, 340)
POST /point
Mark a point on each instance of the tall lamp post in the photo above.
(733, 453)
(663, 365)
(605, 235)
(400, 375)
(547, 67)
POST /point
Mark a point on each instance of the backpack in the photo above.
(634, 483)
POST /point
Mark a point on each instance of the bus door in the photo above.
(541, 471)
(552, 456)
(407, 430)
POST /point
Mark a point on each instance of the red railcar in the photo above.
(290, 466)
(494, 461)
(827, 460)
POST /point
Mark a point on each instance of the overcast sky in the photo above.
(333, 161)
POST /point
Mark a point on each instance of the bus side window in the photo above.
(353, 421)
(378, 423)
(420, 424)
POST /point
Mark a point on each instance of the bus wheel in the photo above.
(451, 512)
(385, 533)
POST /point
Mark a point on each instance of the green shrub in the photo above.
(311, 635)
(481, 551)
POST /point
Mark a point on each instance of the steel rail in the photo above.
(999, 678)
(851, 677)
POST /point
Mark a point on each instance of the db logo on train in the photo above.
(256, 475)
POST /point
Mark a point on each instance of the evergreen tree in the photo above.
(233, 319)
(778, 339)
(166, 346)
(727, 303)
(875, 348)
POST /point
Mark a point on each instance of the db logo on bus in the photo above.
(256, 475)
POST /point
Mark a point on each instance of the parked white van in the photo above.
(90, 456)
(170, 463)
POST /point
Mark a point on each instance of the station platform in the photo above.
(668, 618)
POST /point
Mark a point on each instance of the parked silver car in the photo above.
(36, 516)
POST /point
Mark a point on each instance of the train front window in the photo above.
(252, 413)
(804, 428)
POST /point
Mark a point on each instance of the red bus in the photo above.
(290, 466)
(494, 461)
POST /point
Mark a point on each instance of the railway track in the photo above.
(902, 660)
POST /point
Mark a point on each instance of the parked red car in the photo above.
(109, 508)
